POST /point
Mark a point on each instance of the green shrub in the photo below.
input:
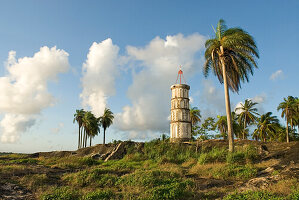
(168, 191)
(251, 153)
(215, 155)
(163, 151)
(62, 193)
(156, 184)
(294, 195)
(99, 195)
(24, 161)
(253, 195)
(88, 161)
(236, 157)
(242, 172)
(97, 177)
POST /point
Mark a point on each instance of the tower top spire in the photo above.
(180, 75)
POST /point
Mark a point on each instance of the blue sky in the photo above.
(148, 40)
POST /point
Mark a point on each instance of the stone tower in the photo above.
(180, 123)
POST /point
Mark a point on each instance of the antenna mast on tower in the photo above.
(180, 74)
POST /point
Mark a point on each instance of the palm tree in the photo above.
(194, 116)
(221, 125)
(78, 117)
(106, 120)
(266, 127)
(288, 112)
(247, 114)
(231, 55)
(90, 124)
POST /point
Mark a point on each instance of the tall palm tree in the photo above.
(266, 127)
(90, 126)
(288, 111)
(248, 114)
(231, 55)
(106, 120)
(78, 117)
(194, 116)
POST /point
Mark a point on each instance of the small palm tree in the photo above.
(266, 127)
(221, 125)
(288, 112)
(194, 116)
(106, 120)
(231, 55)
(248, 114)
(78, 117)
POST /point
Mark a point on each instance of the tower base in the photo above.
(179, 140)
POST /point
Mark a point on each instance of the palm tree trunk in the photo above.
(104, 135)
(287, 127)
(227, 107)
(90, 142)
(79, 138)
(244, 128)
(86, 140)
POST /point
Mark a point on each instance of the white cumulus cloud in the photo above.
(24, 90)
(99, 74)
(157, 65)
(211, 100)
(259, 99)
(277, 75)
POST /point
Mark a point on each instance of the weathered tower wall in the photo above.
(180, 123)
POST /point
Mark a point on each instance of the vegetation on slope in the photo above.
(157, 170)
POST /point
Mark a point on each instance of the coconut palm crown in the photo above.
(231, 56)
(266, 126)
(78, 117)
(288, 108)
(194, 115)
(106, 120)
(248, 114)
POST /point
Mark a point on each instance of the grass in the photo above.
(159, 170)
(262, 195)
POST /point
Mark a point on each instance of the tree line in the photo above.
(89, 125)
(267, 126)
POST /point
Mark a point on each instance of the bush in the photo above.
(242, 172)
(253, 195)
(62, 193)
(163, 151)
(25, 161)
(168, 191)
(88, 161)
(156, 184)
(294, 195)
(99, 194)
(251, 154)
(235, 157)
(97, 177)
(215, 155)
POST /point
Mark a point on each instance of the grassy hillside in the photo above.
(156, 170)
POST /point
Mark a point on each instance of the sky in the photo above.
(59, 56)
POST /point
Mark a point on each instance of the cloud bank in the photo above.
(99, 74)
(24, 90)
(157, 65)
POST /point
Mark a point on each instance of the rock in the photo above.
(117, 152)
(263, 150)
(260, 183)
